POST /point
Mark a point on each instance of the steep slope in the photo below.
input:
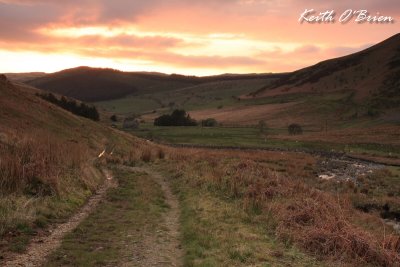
(372, 75)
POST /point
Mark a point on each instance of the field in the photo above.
(340, 141)
(329, 121)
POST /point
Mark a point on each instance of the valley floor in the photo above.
(139, 223)
(199, 207)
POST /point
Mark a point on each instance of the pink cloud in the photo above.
(247, 20)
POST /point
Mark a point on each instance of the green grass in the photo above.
(130, 105)
(199, 135)
(104, 238)
(251, 137)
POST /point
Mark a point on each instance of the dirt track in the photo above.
(161, 248)
(41, 247)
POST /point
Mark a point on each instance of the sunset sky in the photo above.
(181, 36)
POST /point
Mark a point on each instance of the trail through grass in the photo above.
(125, 228)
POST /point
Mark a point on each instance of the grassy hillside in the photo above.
(89, 84)
(355, 91)
(365, 73)
(48, 162)
(202, 96)
(365, 80)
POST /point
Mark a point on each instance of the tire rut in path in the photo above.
(41, 247)
(162, 248)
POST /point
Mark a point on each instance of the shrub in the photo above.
(295, 129)
(146, 155)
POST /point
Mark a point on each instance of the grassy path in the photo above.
(40, 247)
(162, 249)
(137, 224)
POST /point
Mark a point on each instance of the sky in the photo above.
(194, 37)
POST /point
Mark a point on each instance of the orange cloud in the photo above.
(209, 36)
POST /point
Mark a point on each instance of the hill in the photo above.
(24, 77)
(49, 161)
(351, 91)
(370, 74)
(347, 91)
(90, 84)
(206, 95)
(232, 207)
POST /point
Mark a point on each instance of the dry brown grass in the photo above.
(48, 162)
(146, 155)
(319, 222)
(35, 162)
(138, 151)
(42, 178)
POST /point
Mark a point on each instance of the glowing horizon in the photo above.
(206, 38)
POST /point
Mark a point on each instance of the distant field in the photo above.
(273, 138)
(204, 96)
(336, 110)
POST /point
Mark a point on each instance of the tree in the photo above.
(83, 109)
(164, 120)
(295, 129)
(179, 117)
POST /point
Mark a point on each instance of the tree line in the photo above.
(72, 106)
